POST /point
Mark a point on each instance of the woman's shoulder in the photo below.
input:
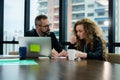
(97, 39)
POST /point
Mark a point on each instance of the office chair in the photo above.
(13, 53)
(113, 58)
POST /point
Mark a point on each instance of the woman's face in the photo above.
(80, 31)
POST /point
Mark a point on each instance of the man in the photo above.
(42, 29)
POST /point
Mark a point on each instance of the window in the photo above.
(13, 23)
(43, 4)
(94, 9)
(90, 14)
(101, 14)
(90, 5)
(78, 8)
(78, 16)
(47, 7)
(76, 1)
(100, 22)
(117, 25)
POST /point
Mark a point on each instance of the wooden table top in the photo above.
(61, 69)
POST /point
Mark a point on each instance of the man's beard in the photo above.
(47, 33)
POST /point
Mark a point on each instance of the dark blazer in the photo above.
(55, 44)
(96, 53)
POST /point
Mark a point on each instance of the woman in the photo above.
(88, 40)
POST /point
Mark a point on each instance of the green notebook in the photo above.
(17, 62)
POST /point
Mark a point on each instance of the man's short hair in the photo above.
(38, 18)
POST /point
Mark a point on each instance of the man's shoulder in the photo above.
(52, 33)
(30, 32)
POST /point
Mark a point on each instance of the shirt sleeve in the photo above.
(55, 44)
(97, 53)
(71, 46)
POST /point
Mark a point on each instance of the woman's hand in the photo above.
(80, 54)
(73, 40)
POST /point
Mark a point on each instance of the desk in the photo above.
(62, 69)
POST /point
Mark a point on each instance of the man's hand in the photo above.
(54, 53)
(63, 53)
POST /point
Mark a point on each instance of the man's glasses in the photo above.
(46, 26)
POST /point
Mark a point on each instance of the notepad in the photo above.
(34, 48)
(17, 62)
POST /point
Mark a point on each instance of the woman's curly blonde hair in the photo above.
(92, 29)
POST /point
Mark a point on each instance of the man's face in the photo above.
(43, 29)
